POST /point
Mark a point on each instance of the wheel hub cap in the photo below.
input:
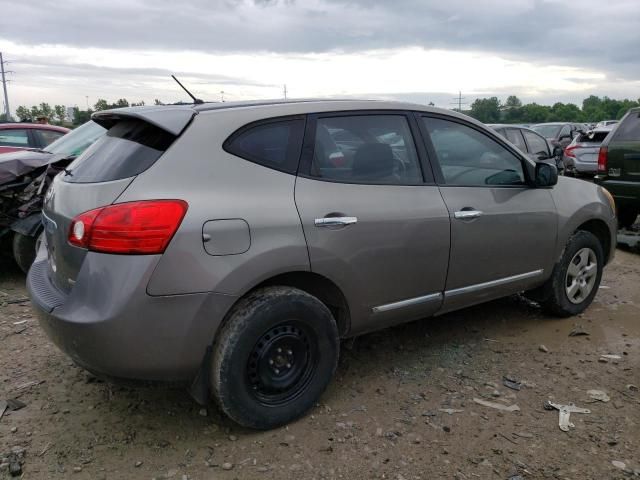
(581, 275)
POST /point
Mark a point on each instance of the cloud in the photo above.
(586, 33)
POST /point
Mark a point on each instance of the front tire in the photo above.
(273, 357)
(575, 278)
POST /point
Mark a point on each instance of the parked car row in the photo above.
(23, 136)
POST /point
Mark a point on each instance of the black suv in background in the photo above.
(619, 167)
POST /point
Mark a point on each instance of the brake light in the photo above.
(569, 151)
(602, 159)
(144, 227)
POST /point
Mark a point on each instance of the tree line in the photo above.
(487, 110)
(594, 109)
(59, 115)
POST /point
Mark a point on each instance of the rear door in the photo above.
(374, 221)
(503, 232)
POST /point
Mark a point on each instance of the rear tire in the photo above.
(627, 217)
(274, 356)
(575, 278)
(25, 249)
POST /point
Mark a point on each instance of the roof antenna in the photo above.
(196, 101)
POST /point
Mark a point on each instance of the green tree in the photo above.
(512, 109)
(60, 113)
(101, 104)
(158, 102)
(534, 113)
(81, 116)
(486, 110)
(122, 102)
(23, 113)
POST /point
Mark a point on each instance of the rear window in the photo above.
(629, 129)
(592, 137)
(274, 144)
(128, 149)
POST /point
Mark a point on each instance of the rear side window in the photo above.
(515, 137)
(13, 137)
(274, 144)
(49, 136)
(536, 143)
(371, 149)
(629, 129)
(128, 149)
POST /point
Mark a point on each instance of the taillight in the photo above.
(602, 159)
(144, 227)
(569, 151)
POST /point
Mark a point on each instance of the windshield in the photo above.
(547, 131)
(75, 142)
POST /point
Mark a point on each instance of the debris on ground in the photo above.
(511, 383)
(578, 331)
(497, 406)
(450, 411)
(543, 349)
(564, 413)
(598, 395)
(611, 357)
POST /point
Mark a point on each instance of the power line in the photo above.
(458, 101)
(4, 87)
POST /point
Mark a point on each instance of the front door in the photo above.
(374, 223)
(503, 231)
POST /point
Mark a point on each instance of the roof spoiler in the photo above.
(172, 119)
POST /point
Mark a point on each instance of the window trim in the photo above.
(308, 146)
(492, 134)
(294, 152)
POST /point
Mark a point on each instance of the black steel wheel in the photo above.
(273, 357)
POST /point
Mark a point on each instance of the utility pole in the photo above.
(285, 91)
(459, 102)
(222, 96)
(7, 110)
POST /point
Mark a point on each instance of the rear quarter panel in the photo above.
(218, 185)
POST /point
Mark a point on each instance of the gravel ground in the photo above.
(403, 404)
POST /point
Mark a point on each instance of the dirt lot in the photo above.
(401, 407)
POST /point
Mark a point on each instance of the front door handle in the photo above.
(467, 214)
(335, 221)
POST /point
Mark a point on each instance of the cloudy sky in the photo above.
(420, 50)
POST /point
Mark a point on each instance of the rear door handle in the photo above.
(335, 221)
(467, 214)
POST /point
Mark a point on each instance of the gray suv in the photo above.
(231, 246)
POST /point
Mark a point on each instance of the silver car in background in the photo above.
(581, 155)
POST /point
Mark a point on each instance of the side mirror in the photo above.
(542, 155)
(546, 175)
(564, 137)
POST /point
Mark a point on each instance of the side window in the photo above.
(536, 143)
(468, 157)
(565, 132)
(274, 144)
(515, 137)
(49, 136)
(629, 129)
(14, 137)
(371, 149)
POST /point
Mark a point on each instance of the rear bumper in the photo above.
(109, 324)
(624, 192)
(575, 165)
